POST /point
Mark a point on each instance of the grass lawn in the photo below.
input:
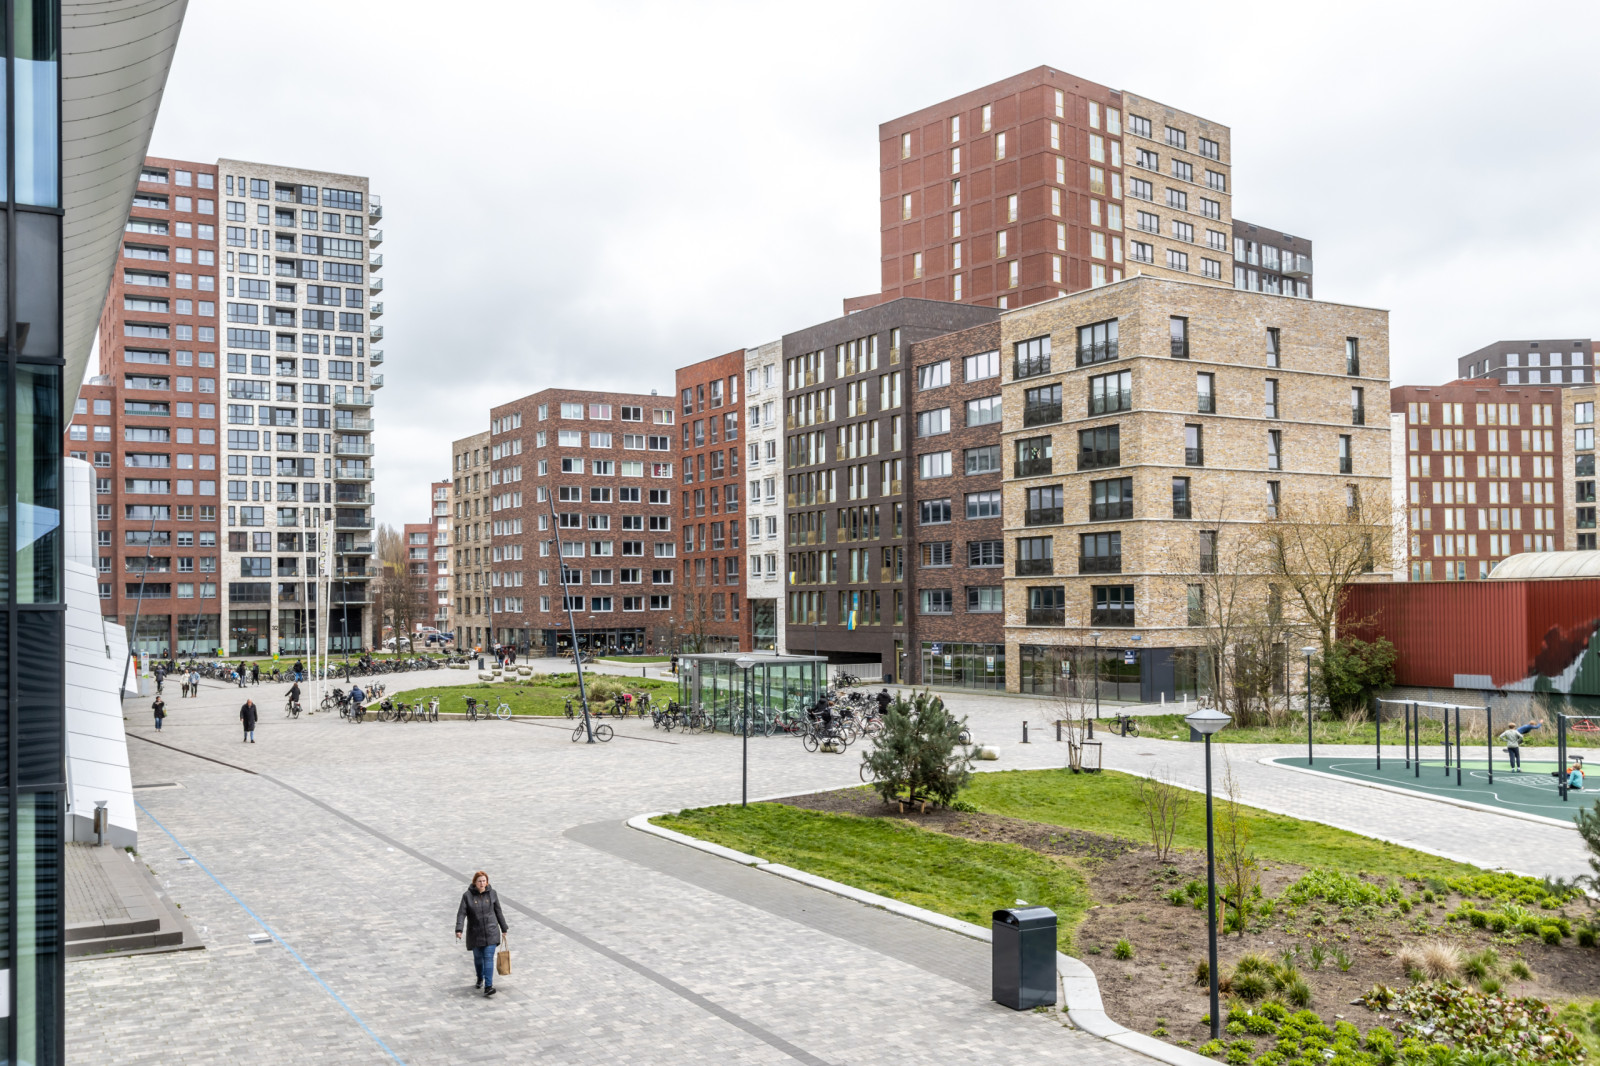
(542, 695)
(1108, 803)
(1170, 726)
(635, 658)
(963, 879)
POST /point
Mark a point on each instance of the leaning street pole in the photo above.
(572, 626)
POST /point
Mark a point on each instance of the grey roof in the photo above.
(1547, 564)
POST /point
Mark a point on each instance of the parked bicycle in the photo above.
(602, 732)
(1124, 726)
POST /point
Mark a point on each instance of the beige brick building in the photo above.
(1579, 476)
(1142, 415)
(470, 540)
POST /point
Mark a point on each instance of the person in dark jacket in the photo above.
(480, 913)
(255, 673)
(883, 702)
(247, 715)
(160, 709)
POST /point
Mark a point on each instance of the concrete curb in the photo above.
(1397, 790)
(1080, 990)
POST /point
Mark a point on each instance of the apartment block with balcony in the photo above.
(439, 560)
(471, 541)
(1044, 184)
(710, 609)
(1532, 362)
(1139, 420)
(847, 487)
(1579, 492)
(150, 424)
(1488, 473)
(1270, 260)
(582, 514)
(299, 263)
(763, 434)
(955, 546)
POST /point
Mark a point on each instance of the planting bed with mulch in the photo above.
(1317, 942)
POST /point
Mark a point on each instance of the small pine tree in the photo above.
(918, 754)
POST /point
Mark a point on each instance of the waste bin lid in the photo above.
(1025, 917)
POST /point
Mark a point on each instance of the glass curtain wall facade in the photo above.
(32, 708)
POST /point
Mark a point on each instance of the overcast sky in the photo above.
(591, 195)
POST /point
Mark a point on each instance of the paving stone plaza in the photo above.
(343, 849)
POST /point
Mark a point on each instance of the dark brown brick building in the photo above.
(847, 484)
(956, 624)
(709, 613)
(597, 473)
(150, 428)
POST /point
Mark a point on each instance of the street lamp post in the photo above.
(1207, 721)
(745, 662)
(1095, 636)
(1307, 652)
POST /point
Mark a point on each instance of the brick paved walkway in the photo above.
(351, 844)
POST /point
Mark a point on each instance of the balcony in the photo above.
(1047, 616)
(1297, 266)
(374, 236)
(375, 356)
(364, 498)
(374, 206)
(377, 382)
(1099, 458)
(1208, 563)
(375, 310)
(1035, 567)
(355, 398)
(352, 595)
(1111, 616)
(1034, 467)
(362, 450)
(1100, 564)
(353, 425)
(1358, 416)
(375, 261)
(352, 523)
(375, 334)
(374, 284)
(356, 573)
(1106, 512)
(352, 473)
(1038, 414)
(1194, 457)
(1042, 516)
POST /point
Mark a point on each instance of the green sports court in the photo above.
(1532, 791)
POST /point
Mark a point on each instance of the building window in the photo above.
(1111, 500)
(1352, 356)
(1100, 553)
(1274, 449)
(1034, 556)
(1033, 456)
(1109, 393)
(1345, 461)
(1097, 343)
(1047, 606)
(1270, 399)
(1272, 346)
(1194, 452)
(1099, 447)
(936, 601)
(1206, 398)
(1041, 405)
(1178, 328)
(1043, 506)
(1033, 357)
(1180, 497)
(1113, 605)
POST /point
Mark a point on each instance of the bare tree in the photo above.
(1237, 867)
(1164, 803)
(403, 598)
(1322, 543)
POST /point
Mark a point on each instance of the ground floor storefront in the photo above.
(1113, 672)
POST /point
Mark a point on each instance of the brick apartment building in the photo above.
(847, 424)
(1045, 183)
(1270, 260)
(956, 625)
(149, 422)
(710, 610)
(763, 433)
(1489, 471)
(471, 541)
(1535, 362)
(1580, 531)
(595, 472)
(439, 568)
(418, 537)
(1141, 418)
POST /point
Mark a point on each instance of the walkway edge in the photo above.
(1272, 760)
(1078, 983)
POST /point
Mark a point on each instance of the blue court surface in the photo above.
(1532, 791)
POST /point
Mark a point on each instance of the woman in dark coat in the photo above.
(160, 709)
(480, 914)
(247, 715)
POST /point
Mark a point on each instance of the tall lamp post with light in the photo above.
(1095, 636)
(1207, 721)
(745, 662)
(1308, 652)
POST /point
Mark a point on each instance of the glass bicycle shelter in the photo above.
(714, 685)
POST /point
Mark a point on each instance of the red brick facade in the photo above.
(598, 472)
(710, 610)
(151, 429)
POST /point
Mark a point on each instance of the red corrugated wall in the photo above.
(1509, 630)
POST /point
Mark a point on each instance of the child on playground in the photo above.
(1512, 738)
(1575, 775)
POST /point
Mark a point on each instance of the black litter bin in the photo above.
(1024, 951)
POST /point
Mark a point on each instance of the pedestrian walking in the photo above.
(248, 716)
(194, 683)
(239, 674)
(255, 673)
(161, 676)
(299, 670)
(480, 915)
(883, 702)
(160, 709)
(184, 688)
